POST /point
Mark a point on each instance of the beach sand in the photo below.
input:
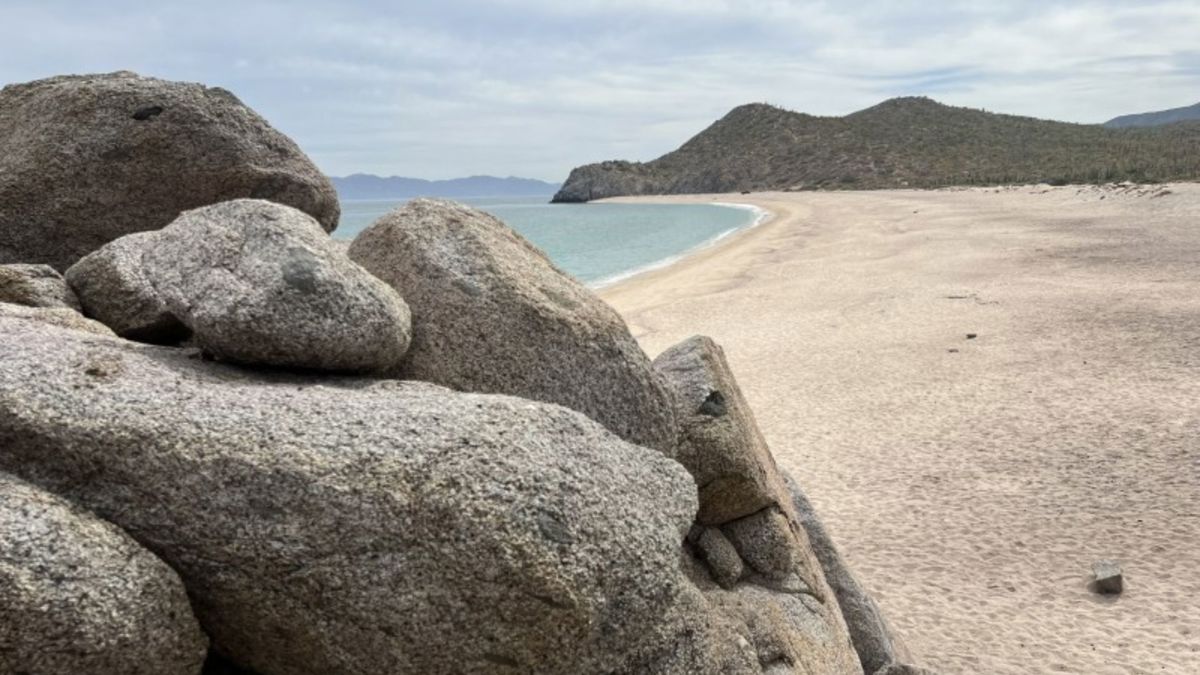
(971, 483)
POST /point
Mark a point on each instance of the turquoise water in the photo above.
(597, 243)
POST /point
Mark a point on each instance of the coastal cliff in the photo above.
(903, 142)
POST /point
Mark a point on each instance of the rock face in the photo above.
(786, 628)
(54, 316)
(341, 525)
(759, 509)
(608, 179)
(719, 442)
(765, 540)
(35, 286)
(113, 289)
(873, 639)
(752, 558)
(492, 314)
(85, 159)
(77, 595)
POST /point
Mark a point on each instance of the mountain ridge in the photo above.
(1156, 117)
(912, 142)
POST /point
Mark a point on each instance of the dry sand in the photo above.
(972, 483)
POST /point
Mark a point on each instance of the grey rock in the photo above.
(874, 640)
(114, 290)
(54, 316)
(782, 599)
(336, 525)
(694, 637)
(260, 283)
(792, 630)
(609, 179)
(720, 442)
(1109, 578)
(766, 541)
(85, 159)
(902, 669)
(791, 627)
(77, 595)
(35, 286)
(492, 314)
(721, 557)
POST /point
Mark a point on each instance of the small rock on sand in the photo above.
(1109, 579)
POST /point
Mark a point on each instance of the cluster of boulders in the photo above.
(228, 442)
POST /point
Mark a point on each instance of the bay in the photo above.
(597, 243)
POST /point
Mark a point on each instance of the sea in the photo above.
(600, 244)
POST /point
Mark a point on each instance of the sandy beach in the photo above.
(972, 481)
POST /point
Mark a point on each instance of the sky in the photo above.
(532, 88)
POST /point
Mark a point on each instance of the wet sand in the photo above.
(971, 482)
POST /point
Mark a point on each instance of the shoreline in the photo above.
(688, 270)
(760, 217)
(970, 482)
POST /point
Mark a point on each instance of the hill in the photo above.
(902, 142)
(1153, 119)
(367, 186)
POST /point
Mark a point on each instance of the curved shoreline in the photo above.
(761, 216)
(695, 273)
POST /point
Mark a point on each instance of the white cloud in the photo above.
(534, 87)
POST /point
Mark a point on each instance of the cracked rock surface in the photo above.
(78, 595)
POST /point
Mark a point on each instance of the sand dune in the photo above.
(972, 482)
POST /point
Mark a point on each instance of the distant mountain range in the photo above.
(367, 186)
(903, 142)
(1153, 119)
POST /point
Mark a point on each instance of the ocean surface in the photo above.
(599, 244)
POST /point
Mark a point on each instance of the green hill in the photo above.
(902, 142)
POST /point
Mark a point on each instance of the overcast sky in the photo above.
(534, 87)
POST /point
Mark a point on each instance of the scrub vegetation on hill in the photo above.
(902, 142)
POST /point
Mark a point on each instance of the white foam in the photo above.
(760, 216)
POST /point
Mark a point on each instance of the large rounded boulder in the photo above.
(341, 525)
(85, 159)
(492, 314)
(253, 282)
(78, 595)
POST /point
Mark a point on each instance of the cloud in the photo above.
(534, 87)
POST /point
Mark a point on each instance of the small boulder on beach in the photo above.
(1109, 578)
